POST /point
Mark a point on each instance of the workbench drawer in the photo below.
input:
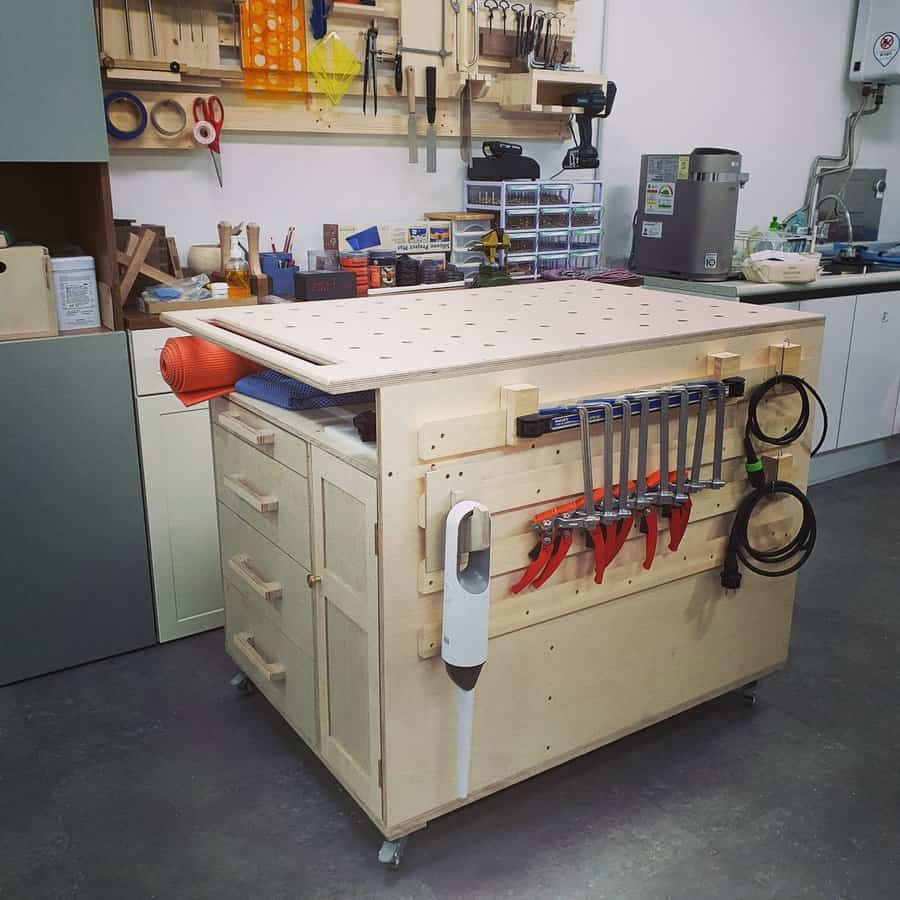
(271, 497)
(262, 435)
(257, 567)
(146, 346)
(278, 667)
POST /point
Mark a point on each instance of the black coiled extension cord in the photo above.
(800, 547)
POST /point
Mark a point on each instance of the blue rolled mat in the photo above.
(288, 393)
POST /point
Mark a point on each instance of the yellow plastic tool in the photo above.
(492, 242)
(334, 66)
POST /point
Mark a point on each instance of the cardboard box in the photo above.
(420, 237)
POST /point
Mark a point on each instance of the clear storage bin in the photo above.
(589, 259)
(547, 261)
(484, 194)
(554, 241)
(586, 239)
(521, 267)
(556, 194)
(588, 216)
(522, 242)
(554, 217)
(521, 194)
(521, 220)
(587, 192)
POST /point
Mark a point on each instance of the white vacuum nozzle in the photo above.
(464, 639)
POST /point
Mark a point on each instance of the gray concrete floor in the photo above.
(146, 776)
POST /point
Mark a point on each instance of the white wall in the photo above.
(767, 78)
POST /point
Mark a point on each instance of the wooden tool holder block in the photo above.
(778, 465)
(785, 358)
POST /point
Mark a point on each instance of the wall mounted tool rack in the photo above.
(562, 418)
(188, 47)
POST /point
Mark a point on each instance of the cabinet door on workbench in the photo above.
(838, 312)
(52, 100)
(873, 374)
(345, 512)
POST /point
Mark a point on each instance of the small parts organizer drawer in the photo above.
(263, 492)
(259, 569)
(280, 669)
(263, 435)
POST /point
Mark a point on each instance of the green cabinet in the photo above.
(51, 103)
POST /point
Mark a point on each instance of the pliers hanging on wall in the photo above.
(370, 68)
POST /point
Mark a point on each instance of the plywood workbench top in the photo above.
(347, 345)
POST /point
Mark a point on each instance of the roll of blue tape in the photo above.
(135, 101)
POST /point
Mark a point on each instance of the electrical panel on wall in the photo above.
(876, 46)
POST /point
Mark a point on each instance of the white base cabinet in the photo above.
(873, 374)
(179, 496)
(838, 312)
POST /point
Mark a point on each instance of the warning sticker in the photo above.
(684, 168)
(662, 168)
(651, 229)
(711, 261)
(887, 46)
(660, 198)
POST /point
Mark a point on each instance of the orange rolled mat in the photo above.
(197, 371)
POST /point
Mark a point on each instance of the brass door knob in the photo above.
(313, 580)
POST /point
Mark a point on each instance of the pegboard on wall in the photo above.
(198, 50)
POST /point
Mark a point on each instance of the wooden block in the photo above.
(174, 259)
(134, 262)
(778, 465)
(785, 358)
(517, 400)
(259, 287)
(723, 365)
(467, 434)
(147, 269)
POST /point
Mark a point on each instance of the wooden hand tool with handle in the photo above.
(224, 244)
(259, 283)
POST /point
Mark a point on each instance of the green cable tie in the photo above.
(754, 466)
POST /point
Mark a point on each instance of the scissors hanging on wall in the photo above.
(209, 117)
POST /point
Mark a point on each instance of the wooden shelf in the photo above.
(358, 11)
(542, 90)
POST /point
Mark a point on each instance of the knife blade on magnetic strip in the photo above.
(431, 109)
(465, 123)
(411, 99)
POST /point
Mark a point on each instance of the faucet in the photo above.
(815, 220)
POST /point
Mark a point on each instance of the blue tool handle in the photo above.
(318, 20)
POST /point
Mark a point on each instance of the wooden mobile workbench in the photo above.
(332, 550)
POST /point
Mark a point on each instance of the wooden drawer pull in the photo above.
(239, 428)
(262, 503)
(244, 643)
(242, 566)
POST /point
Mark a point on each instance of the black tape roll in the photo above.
(135, 101)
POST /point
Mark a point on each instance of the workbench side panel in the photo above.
(614, 666)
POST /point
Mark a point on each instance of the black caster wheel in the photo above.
(391, 853)
(242, 684)
(748, 694)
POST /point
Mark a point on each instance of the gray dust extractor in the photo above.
(686, 215)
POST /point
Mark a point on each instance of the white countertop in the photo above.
(749, 292)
